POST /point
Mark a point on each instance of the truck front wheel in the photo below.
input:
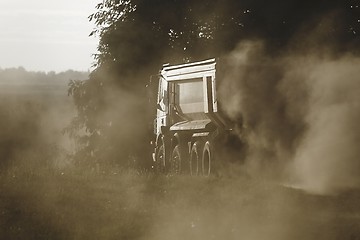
(160, 159)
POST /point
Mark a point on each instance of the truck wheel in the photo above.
(175, 161)
(207, 160)
(195, 157)
(160, 159)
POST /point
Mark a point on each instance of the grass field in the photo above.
(85, 205)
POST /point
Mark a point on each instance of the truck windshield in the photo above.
(189, 97)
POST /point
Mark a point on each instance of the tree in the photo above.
(137, 36)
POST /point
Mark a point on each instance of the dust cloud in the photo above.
(118, 128)
(327, 158)
(43, 200)
(45, 197)
(301, 112)
(32, 120)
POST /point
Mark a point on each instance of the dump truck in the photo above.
(189, 122)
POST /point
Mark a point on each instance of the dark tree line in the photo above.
(137, 36)
(21, 76)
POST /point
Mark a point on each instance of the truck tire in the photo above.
(175, 161)
(195, 158)
(207, 160)
(160, 159)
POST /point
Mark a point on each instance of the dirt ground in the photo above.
(85, 205)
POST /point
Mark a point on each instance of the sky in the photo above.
(47, 35)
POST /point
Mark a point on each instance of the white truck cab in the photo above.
(187, 118)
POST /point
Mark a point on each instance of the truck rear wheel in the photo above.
(207, 160)
(175, 161)
(195, 158)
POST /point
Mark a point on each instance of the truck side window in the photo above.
(163, 99)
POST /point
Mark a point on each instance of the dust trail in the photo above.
(328, 157)
(34, 110)
(252, 90)
(300, 112)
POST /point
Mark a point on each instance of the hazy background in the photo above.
(46, 35)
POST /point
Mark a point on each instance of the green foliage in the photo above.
(87, 96)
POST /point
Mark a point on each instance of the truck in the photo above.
(189, 123)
